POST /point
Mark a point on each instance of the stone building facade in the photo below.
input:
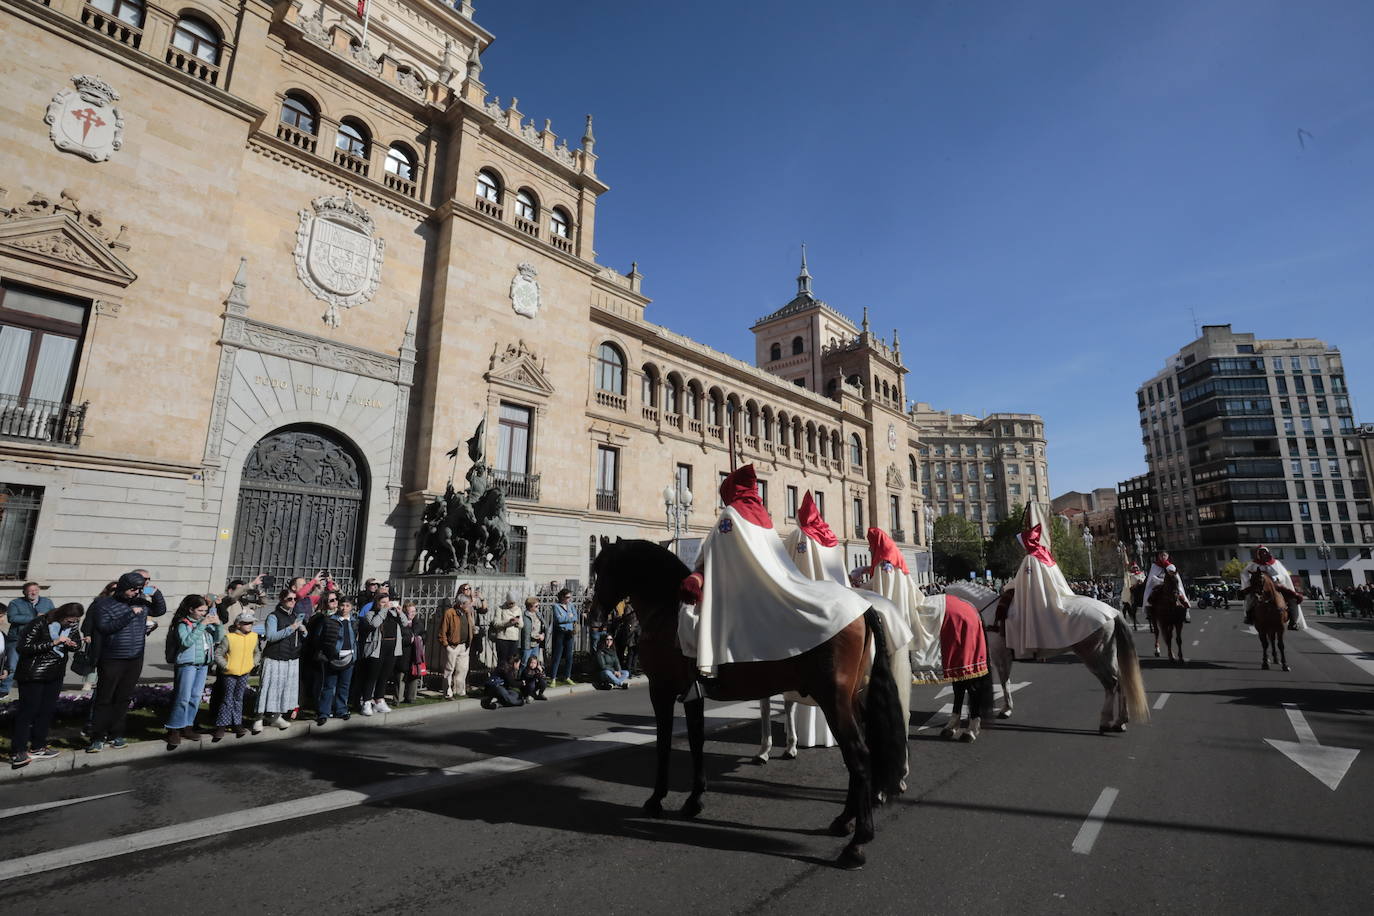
(260, 279)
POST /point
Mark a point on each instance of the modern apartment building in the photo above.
(1252, 441)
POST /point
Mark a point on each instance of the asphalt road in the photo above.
(536, 810)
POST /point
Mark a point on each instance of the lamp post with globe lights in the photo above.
(677, 507)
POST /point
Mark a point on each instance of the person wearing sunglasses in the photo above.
(327, 604)
(279, 690)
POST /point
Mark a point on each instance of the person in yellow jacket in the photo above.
(235, 657)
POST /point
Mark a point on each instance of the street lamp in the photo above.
(929, 515)
(677, 506)
(1088, 543)
(1140, 551)
(1324, 551)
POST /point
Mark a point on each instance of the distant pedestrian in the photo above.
(48, 642)
(236, 654)
(505, 629)
(24, 610)
(381, 653)
(123, 625)
(191, 643)
(338, 658)
(456, 631)
(414, 666)
(531, 631)
(564, 632)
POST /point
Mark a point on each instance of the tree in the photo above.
(1233, 568)
(1004, 551)
(957, 547)
(1069, 550)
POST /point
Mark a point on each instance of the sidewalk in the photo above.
(71, 761)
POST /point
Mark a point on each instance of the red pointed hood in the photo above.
(884, 551)
(740, 492)
(811, 523)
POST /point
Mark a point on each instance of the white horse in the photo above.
(1109, 653)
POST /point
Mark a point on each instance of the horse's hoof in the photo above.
(653, 807)
(789, 755)
(901, 786)
(947, 734)
(1004, 714)
(851, 859)
(1264, 667)
(1285, 668)
(692, 807)
(759, 760)
(1156, 653)
(842, 826)
(968, 737)
(1120, 727)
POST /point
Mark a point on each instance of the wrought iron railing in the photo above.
(41, 421)
(518, 485)
(608, 500)
(19, 507)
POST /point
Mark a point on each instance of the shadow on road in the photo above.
(1351, 702)
(1148, 663)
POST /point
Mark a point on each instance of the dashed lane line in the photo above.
(1195, 642)
(448, 778)
(1159, 703)
(1087, 834)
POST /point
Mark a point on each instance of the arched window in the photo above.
(856, 450)
(352, 138)
(782, 428)
(672, 395)
(610, 369)
(197, 37)
(559, 222)
(400, 162)
(766, 424)
(648, 386)
(298, 111)
(797, 345)
(526, 206)
(775, 351)
(911, 469)
(488, 186)
(694, 400)
(130, 11)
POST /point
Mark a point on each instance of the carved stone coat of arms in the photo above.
(338, 257)
(524, 291)
(84, 120)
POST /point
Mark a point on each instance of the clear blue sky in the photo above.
(1037, 195)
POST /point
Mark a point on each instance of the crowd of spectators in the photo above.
(267, 656)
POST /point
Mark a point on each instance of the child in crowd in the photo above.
(532, 680)
(236, 654)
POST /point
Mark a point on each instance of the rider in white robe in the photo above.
(1263, 561)
(1158, 568)
(755, 604)
(1044, 613)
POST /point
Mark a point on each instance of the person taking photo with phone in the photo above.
(122, 622)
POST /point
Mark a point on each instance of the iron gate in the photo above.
(300, 508)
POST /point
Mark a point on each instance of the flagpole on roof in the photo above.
(364, 10)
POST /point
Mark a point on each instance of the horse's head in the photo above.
(641, 570)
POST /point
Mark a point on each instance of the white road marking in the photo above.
(44, 806)
(448, 778)
(1343, 649)
(1327, 763)
(1195, 642)
(1087, 834)
(1163, 698)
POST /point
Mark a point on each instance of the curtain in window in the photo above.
(54, 368)
(14, 353)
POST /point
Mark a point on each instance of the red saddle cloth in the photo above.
(963, 647)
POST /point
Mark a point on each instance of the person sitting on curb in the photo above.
(609, 674)
(502, 683)
(532, 680)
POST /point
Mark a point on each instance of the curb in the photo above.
(75, 761)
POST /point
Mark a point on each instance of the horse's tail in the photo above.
(1128, 667)
(884, 730)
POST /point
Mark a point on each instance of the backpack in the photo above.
(173, 644)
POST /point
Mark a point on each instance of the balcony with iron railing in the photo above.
(518, 485)
(608, 500)
(35, 420)
(899, 535)
(859, 533)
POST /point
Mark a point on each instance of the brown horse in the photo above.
(1168, 611)
(859, 699)
(1270, 614)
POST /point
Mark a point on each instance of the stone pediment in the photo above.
(58, 241)
(517, 367)
(894, 477)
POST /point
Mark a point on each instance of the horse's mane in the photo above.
(1268, 591)
(647, 567)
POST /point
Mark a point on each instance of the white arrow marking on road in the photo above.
(44, 806)
(1163, 698)
(1329, 764)
(948, 708)
(1087, 834)
(1345, 650)
(1195, 642)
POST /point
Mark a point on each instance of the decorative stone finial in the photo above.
(474, 63)
(865, 319)
(588, 138)
(237, 302)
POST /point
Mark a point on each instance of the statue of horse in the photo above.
(858, 697)
(1108, 653)
(1169, 613)
(1270, 612)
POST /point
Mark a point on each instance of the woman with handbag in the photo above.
(236, 654)
(43, 651)
(413, 668)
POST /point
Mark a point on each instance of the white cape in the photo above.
(1279, 573)
(1154, 579)
(1046, 615)
(755, 604)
